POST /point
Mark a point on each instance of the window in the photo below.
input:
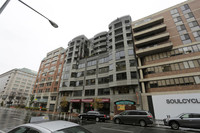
(19, 130)
(181, 27)
(121, 76)
(103, 80)
(110, 67)
(132, 63)
(197, 35)
(90, 92)
(123, 90)
(80, 74)
(177, 19)
(110, 78)
(133, 75)
(130, 52)
(104, 91)
(78, 93)
(120, 66)
(189, 15)
(103, 69)
(90, 82)
(185, 39)
(91, 63)
(174, 11)
(185, 7)
(120, 55)
(79, 83)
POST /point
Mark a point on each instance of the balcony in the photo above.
(154, 39)
(148, 24)
(151, 31)
(100, 44)
(156, 49)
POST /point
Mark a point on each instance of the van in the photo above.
(135, 117)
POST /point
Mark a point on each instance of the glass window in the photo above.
(130, 52)
(133, 75)
(197, 79)
(186, 64)
(191, 64)
(19, 130)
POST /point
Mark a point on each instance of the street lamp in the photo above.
(7, 1)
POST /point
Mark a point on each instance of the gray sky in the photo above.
(26, 37)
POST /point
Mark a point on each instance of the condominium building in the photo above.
(167, 46)
(48, 80)
(16, 86)
(100, 73)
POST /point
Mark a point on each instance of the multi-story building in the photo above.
(16, 86)
(167, 46)
(101, 73)
(48, 80)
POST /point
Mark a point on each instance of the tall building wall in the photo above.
(47, 83)
(17, 87)
(167, 46)
(106, 72)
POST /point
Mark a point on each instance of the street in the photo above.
(9, 118)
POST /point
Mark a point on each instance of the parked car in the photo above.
(46, 126)
(135, 117)
(94, 115)
(190, 120)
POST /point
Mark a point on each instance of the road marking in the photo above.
(117, 130)
(18, 119)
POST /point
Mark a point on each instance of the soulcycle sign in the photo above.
(183, 101)
(175, 104)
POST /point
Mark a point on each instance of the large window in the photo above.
(103, 80)
(173, 82)
(91, 72)
(120, 66)
(120, 55)
(90, 92)
(78, 93)
(90, 82)
(121, 76)
(104, 91)
(133, 75)
(103, 69)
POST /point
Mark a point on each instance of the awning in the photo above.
(75, 100)
(87, 100)
(105, 100)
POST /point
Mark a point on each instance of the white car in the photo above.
(58, 126)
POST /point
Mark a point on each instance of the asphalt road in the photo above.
(10, 118)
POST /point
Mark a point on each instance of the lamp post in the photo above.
(7, 1)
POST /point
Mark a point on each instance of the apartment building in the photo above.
(47, 83)
(16, 86)
(167, 47)
(100, 72)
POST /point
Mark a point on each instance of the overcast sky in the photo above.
(26, 37)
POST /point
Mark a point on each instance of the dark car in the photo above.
(190, 120)
(135, 117)
(95, 115)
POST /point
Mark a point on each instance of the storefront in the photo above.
(122, 105)
(76, 105)
(174, 104)
(87, 105)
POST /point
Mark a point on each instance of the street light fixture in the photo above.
(7, 1)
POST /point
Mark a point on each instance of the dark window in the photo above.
(19, 130)
(121, 76)
(77, 93)
(104, 91)
(132, 62)
(89, 92)
(133, 75)
(121, 66)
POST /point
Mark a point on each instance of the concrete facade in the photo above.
(16, 86)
